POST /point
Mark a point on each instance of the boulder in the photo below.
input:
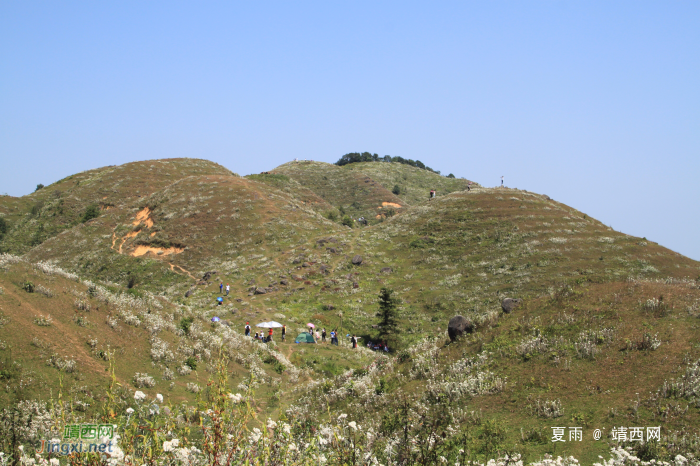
(386, 270)
(284, 282)
(357, 260)
(328, 307)
(509, 304)
(355, 285)
(189, 292)
(459, 325)
(260, 290)
(332, 250)
(306, 264)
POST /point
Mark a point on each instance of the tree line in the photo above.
(356, 157)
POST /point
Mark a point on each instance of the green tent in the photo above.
(305, 338)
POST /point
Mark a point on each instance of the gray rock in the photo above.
(261, 290)
(189, 292)
(357, 260)
(509, 304)
(284, 282)
(459, 325)
(386, 270)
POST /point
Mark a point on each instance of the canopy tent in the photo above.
(305, 338)
(271, 324)
(215, 319)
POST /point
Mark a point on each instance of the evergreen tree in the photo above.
(388, 311)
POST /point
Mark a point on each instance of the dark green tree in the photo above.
(388, 312)
(4, 226)
(450, 175)
(38, 187)
(396, 190)
(91, 212)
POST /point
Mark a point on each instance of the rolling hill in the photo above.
(605, 335)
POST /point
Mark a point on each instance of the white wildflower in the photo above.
(139, 395)
(159, 397)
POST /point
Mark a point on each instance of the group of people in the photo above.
(318, 337)
(322, 336)
(376, 346)
(261, 335)
(221, 288)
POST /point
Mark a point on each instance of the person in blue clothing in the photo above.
(221, 287)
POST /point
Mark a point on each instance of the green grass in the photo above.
(269, 237)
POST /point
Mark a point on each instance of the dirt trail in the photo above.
(173, 266)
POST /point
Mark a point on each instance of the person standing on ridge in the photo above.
(501, 182)
(247, 329)
(228, 288)
(469, 186)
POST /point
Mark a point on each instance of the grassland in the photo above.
(607, 328)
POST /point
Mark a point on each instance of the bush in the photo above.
(28, 287)
(91, 212)
(347, 221)
(396, 190)
(38, 187)
(450, 175)
(185, 324)
(4, 226)
(191, 362)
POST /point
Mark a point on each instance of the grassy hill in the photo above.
(606, 335)
(414, 183)
(350, 191)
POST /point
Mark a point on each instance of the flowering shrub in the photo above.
(143, 380)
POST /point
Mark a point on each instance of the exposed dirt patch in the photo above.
(173, 267)
(153, 234)
(143, 250)
(143, 217)
(390, 204)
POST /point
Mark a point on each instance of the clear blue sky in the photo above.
(596, 104)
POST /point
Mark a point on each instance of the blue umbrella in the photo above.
(215, 319)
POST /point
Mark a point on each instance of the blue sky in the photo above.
(596, 104)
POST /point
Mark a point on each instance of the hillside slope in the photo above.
(352, 192)
(606, 333)
(414, 183)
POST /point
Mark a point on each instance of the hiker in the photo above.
(334, 337)
(256, 336)
(501, 182)
(353, 340)
(469, 186)
(317, 337)
(247, 329)
(284, 331)
(323, 335)
(228, 288)
(269, 335)
(432, 194)
(221, 287)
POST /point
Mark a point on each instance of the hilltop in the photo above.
(599, 308)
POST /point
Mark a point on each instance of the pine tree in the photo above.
(388, 311)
